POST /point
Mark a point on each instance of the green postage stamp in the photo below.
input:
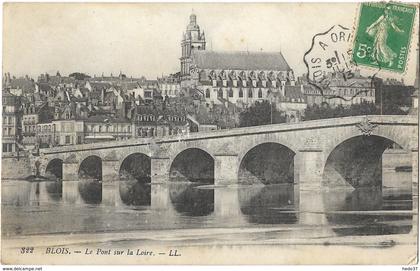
(383, 35)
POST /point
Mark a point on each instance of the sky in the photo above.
(144, 39)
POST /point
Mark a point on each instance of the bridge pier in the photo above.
(71, 194)
(70, 171)
(310, 163)
(310, 166)
(226, 202)
(225, 169)
(311, 208)
(160, 199)
(111, 182)
(111, 194)
(110, 171)
(160, 167)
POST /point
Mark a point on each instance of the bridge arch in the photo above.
(400, 137)
(134, 172)
(268, 162)
(54, 169)
(91, 168)
(136, 165)
(90, 179)
(356, 159)
(194, 164)
(255, 142)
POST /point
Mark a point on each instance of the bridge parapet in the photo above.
(263, 129)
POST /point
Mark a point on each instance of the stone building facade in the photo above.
(30, 119)
(237, 78)
(343, 92)
(104, 128)
(11, 122)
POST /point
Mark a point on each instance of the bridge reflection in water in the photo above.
(80, 206)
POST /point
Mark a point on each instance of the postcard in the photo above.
(210, 133)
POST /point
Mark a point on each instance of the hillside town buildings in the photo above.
(209, 92)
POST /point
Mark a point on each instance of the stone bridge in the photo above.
(311, 154)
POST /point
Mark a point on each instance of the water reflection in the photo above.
(90, 191)
(24, 193)
(50, 207)
(134, 192)
(55, 189)
(362, 211)
(192, 199)
(271, 204)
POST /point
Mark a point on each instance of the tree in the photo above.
(260, 113)
(325, 111)
(79, 76)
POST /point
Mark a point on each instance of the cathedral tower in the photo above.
(193, 39)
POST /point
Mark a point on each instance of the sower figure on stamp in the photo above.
(379, 31)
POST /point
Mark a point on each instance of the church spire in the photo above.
(193, 39)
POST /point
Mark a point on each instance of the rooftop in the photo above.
(240, 60)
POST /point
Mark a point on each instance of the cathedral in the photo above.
(238, 77)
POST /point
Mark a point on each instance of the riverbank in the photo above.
(214, 242)
(13, 168)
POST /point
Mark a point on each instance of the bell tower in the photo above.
(192, 39)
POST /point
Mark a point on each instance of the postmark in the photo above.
(383, 35)
(329, 64)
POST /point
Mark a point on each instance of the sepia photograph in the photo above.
(209, 133)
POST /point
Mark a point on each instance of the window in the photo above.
(220, 93)
(129, 129)
(250, 93)
(207, 93)
(100, 128)
(259, 93)
(67, 139)
(4, 147)
(79, 140)
(230, 92)
(241, 93)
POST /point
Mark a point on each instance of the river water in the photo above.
(36, 208)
